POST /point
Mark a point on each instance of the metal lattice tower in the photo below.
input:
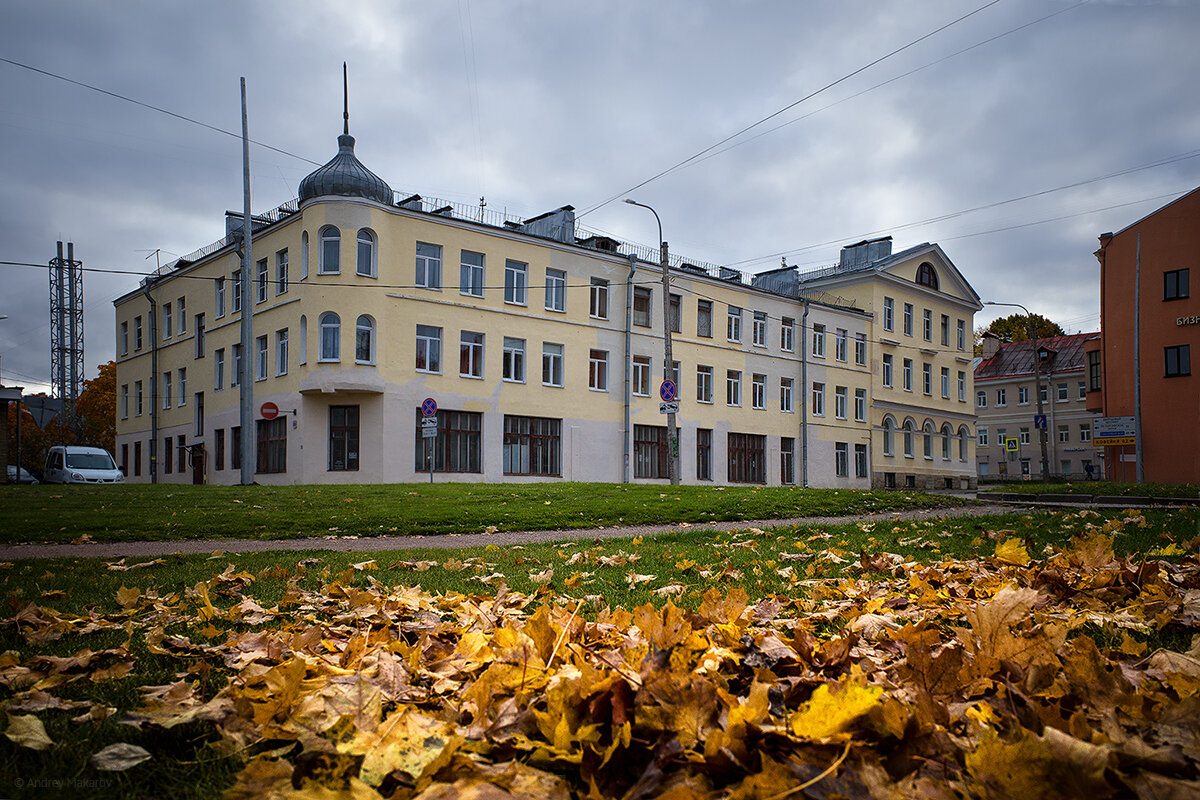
(66, 331)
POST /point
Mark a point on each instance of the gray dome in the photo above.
(345, 176)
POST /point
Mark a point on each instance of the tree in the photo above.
(97, 408)
(1015, 328)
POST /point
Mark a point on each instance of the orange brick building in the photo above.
(1169, 333)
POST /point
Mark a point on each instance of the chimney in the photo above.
(991, 345)
(865, 252)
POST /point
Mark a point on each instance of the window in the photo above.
(704, 309)
(1064, 433)
(513, 361)
(945, 383)
(123, 339)
(271, 442)
(331, 329)
(887, 370)
(556, 290)
(1023, 396)
(818, 341)
(787, 334)
(704, 384)
(137, 333)
(889, 429)
(281, 351)
(839, 345)
(365, 263)
(760, 328)
(704, 454)
(785, 394)
(304, 255)
(818, 399)
(1024, 436)
(260, 361)
(1001, 397)
(429, 265)
(889, 314)
(927, 275)
(945, 331)
(747, 458)
(125, 459)
(641, 376)
(906, 375)
(219, 369)
(181, 306)
(124, 401)
(532, 446)
(470, 354)
(236, 377)
(260, 285)
(1082, 390)
(641, 306)
(166, 390)
(962, 335)
(598, 299)
(552, 365)
(1042, 395)
(860, 405)
(675, 312)
(860, 349)
(166, 320)
(1062, 393)
(219, 285)
(733, 387)
(787, 460)
(181, 376)
(364, 340)
(1001, 435)
(927, 325)
(281, 272)
(962, 386)
(981, 437)
(981, 399)
(840, 397)
(927, 440)
(343, 438)
(910, 430)
(470, 274)
(198, 418)
(515, 274)
(237, 290)
(651, 451)
(330, 262)
(429, 349)
(137, 397)
(947, 435)
(219, 449)
(841, 459)
(927, 378)
(1085, 432)
(598, 370)
(199, 336)
(235, 447)
(303, 339)
(166, 460)
(908, 319)
(733, 324)
(1178, 360)
(758, 391)
(1175, 284)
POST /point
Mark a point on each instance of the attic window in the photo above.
(927, 276)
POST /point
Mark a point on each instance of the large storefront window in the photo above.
(532, 446)
(343, 438)
(650, 451)
(747, 458)
(272, 445)
(458, 446)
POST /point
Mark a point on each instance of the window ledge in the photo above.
(471, 377)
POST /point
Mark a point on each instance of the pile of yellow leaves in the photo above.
(896, 679)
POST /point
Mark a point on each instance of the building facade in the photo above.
(541, 346)
(1151, 339)
(1006, 407)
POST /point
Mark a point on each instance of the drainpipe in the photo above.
(804, 395)
(628, 320)
(153, 382)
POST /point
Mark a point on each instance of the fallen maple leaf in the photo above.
(119, 757)
(28, 731)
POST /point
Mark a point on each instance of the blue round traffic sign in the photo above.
(429, 407)
(667, 390)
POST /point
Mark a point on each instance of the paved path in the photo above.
(454, 540)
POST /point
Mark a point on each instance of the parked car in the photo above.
(24, 478)
(74, 464)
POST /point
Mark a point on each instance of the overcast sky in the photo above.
(536, 105)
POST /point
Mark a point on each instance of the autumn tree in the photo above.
(97, 408)
(35, 441)
(1015, 328)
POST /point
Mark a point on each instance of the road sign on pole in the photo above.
(669, 408)
(429, 407)
(667, 392)
(1039, 421)
(1011, 444)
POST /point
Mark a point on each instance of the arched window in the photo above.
(909, 428)
(331, 251)
(927, 275)
(303, 339)
(366, 253)
(889, 429)
(331, 333)
(364, 340)
(928, 434)
(962, 443)
(947, 435)
(304, 255)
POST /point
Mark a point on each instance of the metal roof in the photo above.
(1015, 359)
(345, 176)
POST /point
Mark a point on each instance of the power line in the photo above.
(789, 107)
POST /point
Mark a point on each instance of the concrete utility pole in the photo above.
(1037, 373)
(246, 378)
(668, 361)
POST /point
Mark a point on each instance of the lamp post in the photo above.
(672, 427)
(1037, 373)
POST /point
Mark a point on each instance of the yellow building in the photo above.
(541, 346)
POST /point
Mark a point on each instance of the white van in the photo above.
(73, 464)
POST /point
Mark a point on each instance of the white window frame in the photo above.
(598, 370)
(889, 314)
(860, 405)
(787, 334)
(786, 388)
(471, 343)
(281, 352)
(516, 282)
(512, 367)
(329, 327)
(839, 345)
(704, 384)
(840, 396)
(818, 399)
(556, 290)
(471, 275)
(429, 346)
(860, 349)
(366, 238)
(759, 332)
(552, 364)
(886, 370)
(733, 324)
(261, 348)
(365, 323)
(758, 391)
(818, 340)
(428, 274)
(733, 387)
(281, 272)
(329, 251)
(598, 299)
(640, 376)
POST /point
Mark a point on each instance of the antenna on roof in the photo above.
(345, 102)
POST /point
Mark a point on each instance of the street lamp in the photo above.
(672, 427)
(1037, 373)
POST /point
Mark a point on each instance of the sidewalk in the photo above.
(453, 541)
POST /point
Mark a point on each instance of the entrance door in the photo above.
(196, 455)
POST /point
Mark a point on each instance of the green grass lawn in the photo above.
(147, 512)
(1098, 488)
